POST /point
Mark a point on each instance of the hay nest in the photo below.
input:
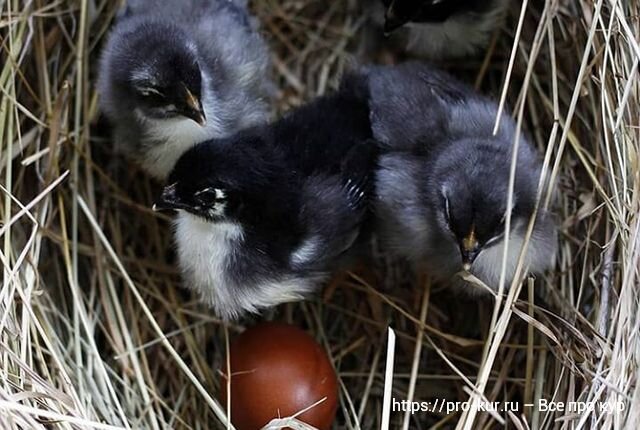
(95, 331)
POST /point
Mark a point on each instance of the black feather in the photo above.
(357, 177)
(298, 188)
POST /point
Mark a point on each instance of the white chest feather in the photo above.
(488, 265)
(204, 250)
(167, 139)
(540, 254)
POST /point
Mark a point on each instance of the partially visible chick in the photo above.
(442, 185)
(265, 215)
(176, 72)
(440, 29)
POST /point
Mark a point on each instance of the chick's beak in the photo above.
(168, 200)
(469, 250)
(194, 108)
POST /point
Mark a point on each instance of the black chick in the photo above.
(265, 215)
(177, 72)
(442, 185)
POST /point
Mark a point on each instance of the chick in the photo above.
(265, 215)
(176, 72)
(442, 184)
(440, 29)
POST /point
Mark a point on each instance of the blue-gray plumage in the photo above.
(439, 29)
(177, 72)
(442, 184)
(266, 214)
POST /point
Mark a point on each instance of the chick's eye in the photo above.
(447, 210)
(150, 92)
(210, 195)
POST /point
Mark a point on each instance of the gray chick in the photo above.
(439, 29)
(442, 183)
(176, 72)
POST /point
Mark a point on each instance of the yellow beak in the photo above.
(469, 249)
(196, 112)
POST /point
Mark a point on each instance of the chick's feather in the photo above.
(153, 38)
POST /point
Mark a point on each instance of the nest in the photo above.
(95, 331)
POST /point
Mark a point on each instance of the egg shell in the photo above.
(277, 371)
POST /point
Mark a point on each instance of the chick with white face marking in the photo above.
(443, 182)
(440, 29)
(265, 215)
(176, 72)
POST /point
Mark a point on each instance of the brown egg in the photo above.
(277, 370)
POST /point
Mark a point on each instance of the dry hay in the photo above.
(95, 329)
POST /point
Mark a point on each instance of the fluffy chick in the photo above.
(440, 29)
(265, 215)
(176, 72)
(442, 184)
